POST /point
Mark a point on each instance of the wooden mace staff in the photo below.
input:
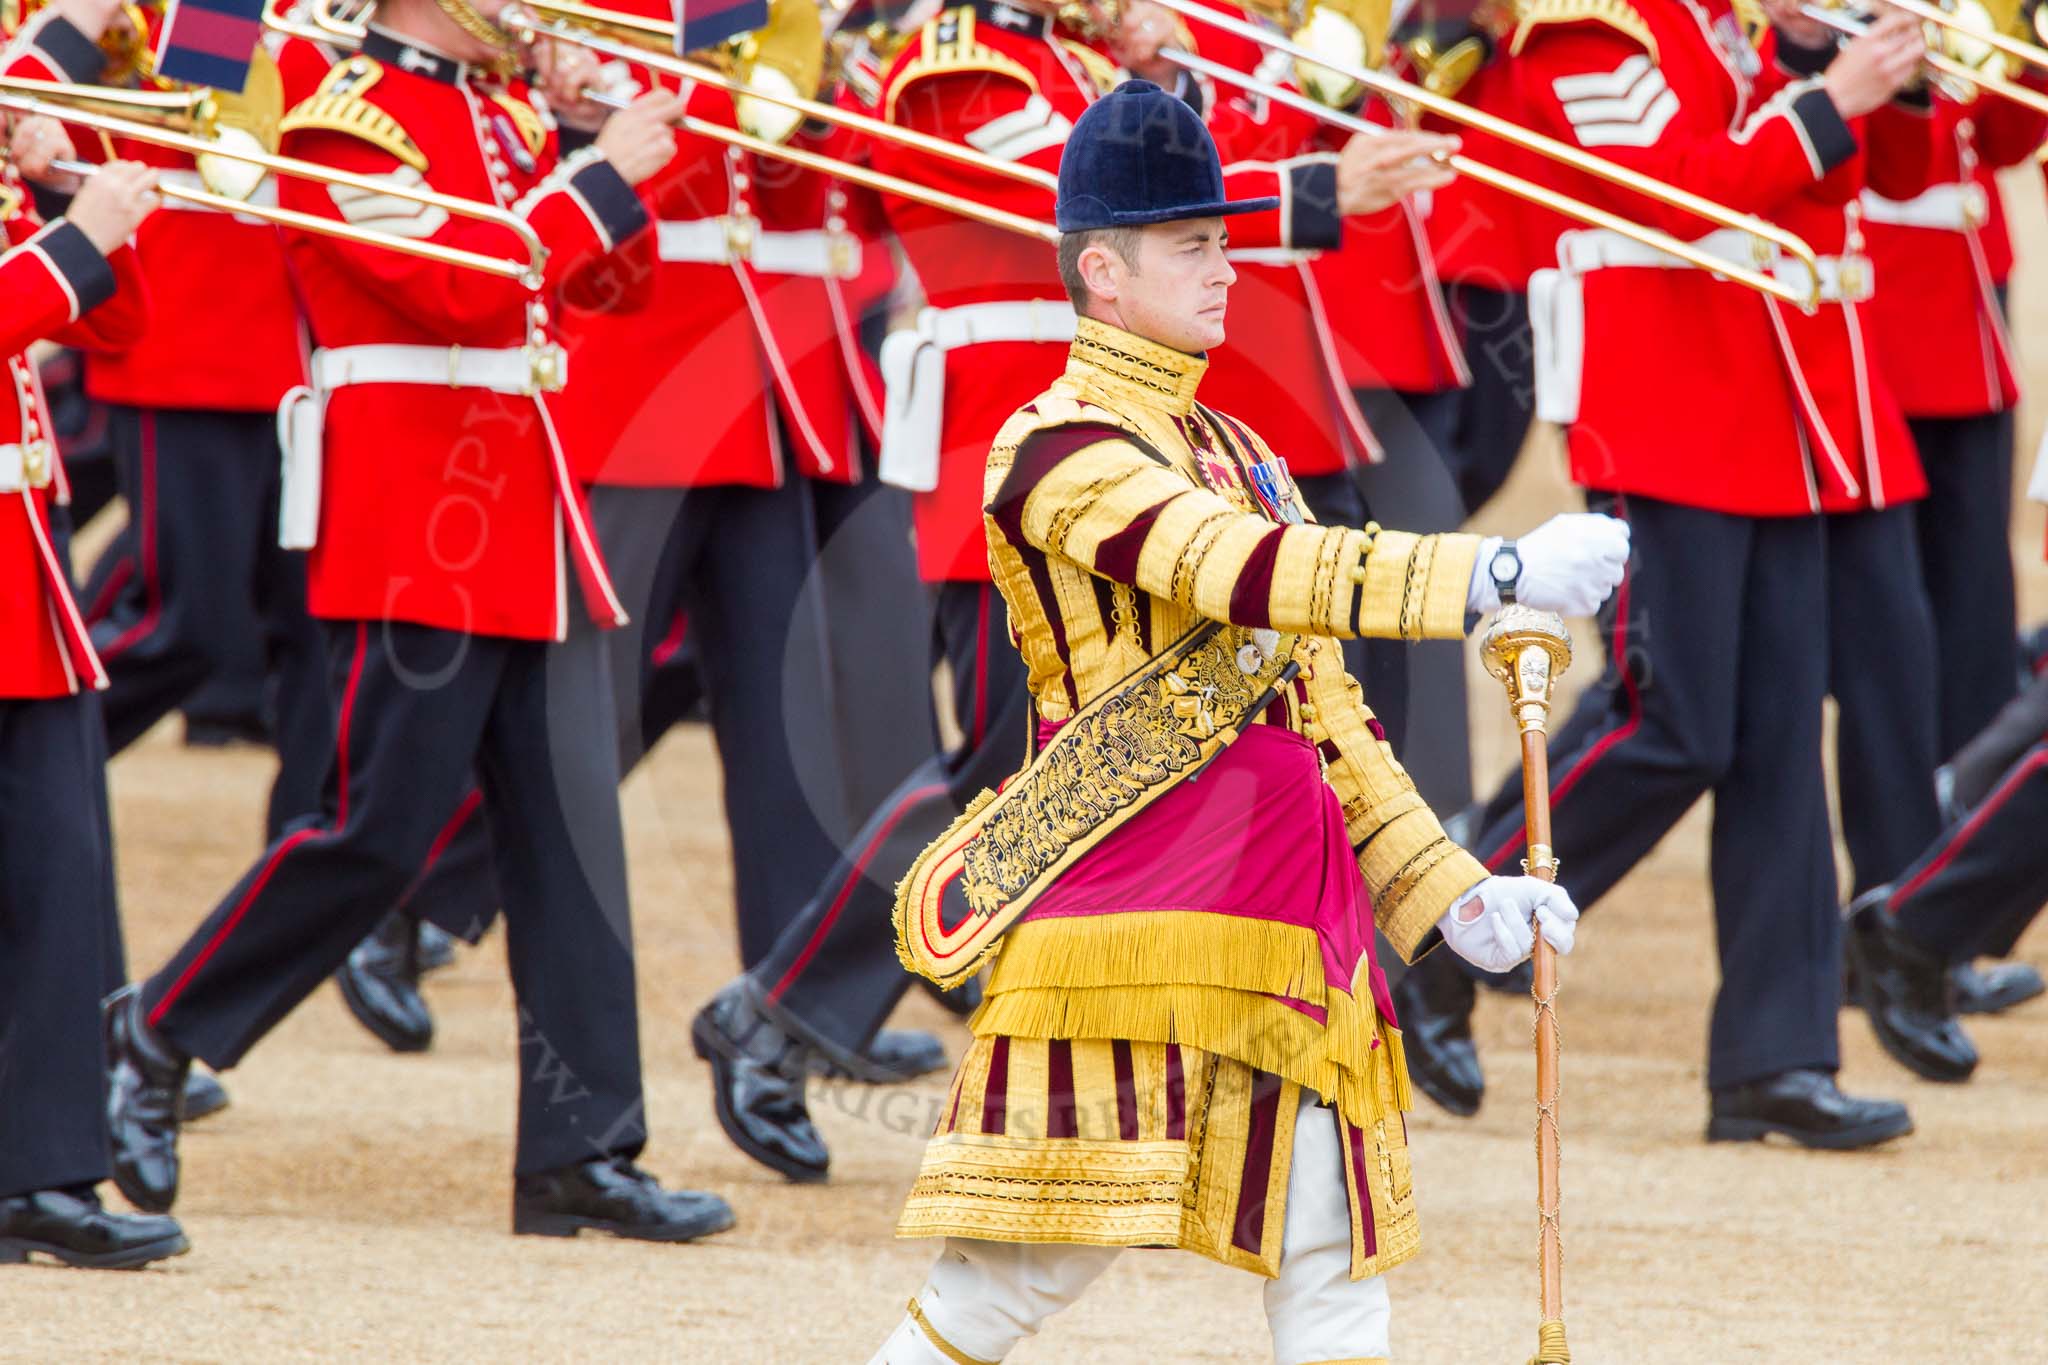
(1528, 650)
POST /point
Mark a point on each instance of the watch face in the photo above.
(1507, 567)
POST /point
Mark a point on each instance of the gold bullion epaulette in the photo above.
(1755, 23)
(947, 45)
(1618, 15)
(338, 106)
(1100, 69)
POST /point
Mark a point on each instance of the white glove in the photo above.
(1498, 934)
(1569, 565)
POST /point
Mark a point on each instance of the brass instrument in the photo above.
(570, 22)
(878, 181)
(292, 26)
(1962, 38)
(584, 25)
(70, 104)
(1764, 235)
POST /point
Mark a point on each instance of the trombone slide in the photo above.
(1394, 89)
(1510, 183)
(327, 227)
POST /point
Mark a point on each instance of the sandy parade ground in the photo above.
(354, 1204)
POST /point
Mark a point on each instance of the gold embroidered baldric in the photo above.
(1123, 751)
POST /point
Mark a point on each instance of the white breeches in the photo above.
(982, 1298)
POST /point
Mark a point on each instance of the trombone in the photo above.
(570, 22)
(521, 20)
(1394, 89)
(856, 175)
(1945, 65)
(55, 99)
(649, 43)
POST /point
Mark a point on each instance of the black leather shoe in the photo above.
(611, 1194)
(436, 947)
(1434, 1006)
(1997, 987)
(71, 1226)
(893, 1056)
(1905, 990)
(145, 1083)
(757, 1082)
(380, 983)
(1805, 1106)
(203, 1095)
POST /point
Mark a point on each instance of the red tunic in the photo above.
(1696, 391)
(450, 507)
(1940, 335)
(54, 285)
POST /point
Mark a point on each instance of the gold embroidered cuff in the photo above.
(1415, 874)
(1416, 587)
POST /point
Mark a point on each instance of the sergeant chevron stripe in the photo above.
(1018, 134)
(1629, 106)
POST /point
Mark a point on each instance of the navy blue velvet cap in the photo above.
(1139, 155)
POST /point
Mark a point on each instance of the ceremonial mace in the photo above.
(1528, 650)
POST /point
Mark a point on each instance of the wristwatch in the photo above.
(1505, 569)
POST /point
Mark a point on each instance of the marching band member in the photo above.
(461, 590)
(1718, 671)
(1005, 78)
(1943, 256)
(1229, 1065)
(74, 280)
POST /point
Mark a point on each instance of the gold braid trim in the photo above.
(1619, 15)
(338, 106)
(948, 45)
(939, 1343)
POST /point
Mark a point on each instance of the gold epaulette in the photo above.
(338, 106)
(948, 45)
(1100, 69)
(1618, 15)
(1755, 23)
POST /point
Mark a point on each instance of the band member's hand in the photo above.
(637, 140)
(1493, 927)
(1142, 30)
(113, 203)
(1787, 17)
(1874, 67)
(34, 142)
(1375, 171)
(1570, 564)
(565, 74)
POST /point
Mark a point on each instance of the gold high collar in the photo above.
(1126, 366)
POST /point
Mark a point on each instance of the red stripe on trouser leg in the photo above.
(292, 841)
(2000, 794)
(860, 867)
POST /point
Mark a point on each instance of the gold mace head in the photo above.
(1528, 650)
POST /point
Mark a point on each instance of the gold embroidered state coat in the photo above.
(1134, 1080)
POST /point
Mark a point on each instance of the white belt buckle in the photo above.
(842, 255)
(35, 464)
(543, 369)
(739, 237)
